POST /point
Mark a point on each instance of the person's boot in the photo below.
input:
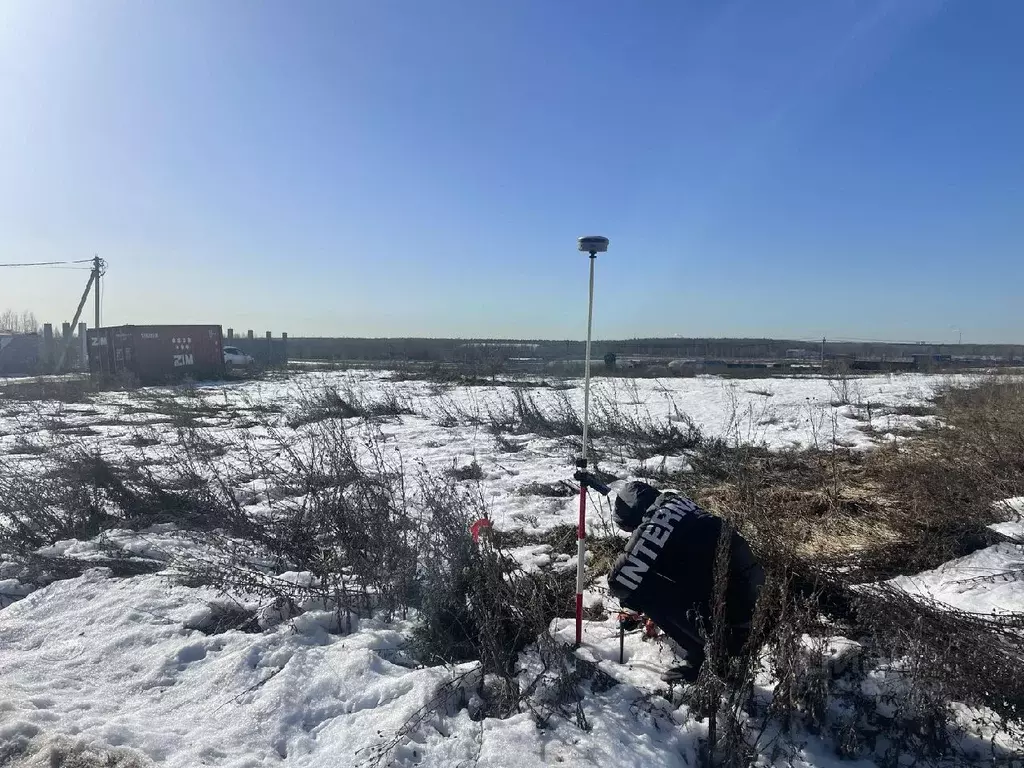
(684, 673)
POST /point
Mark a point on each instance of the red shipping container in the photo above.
(157, 354)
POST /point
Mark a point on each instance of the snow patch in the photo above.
(989, 581)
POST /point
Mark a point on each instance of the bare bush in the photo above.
(471, 471)
(910, 410)
(840, 382)
(477, 603)
(631, 431)
(559, 490)
(446, 411)
(339, 519)
(523, 413)
(895, 693)
(334, 402)
(644, 436)
(45, 502)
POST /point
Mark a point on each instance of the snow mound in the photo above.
(1013, 527)
(109, 667)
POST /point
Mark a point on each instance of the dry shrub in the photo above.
(556, 682)
(334, 512)
(225, 616)
(76, 493)
(471, 471)
(337, 515)
(559, 490)
(909, 410)
(329, 401)
(893, 693)
(521, 412)
(644, 436)
(42, 504)
(631, 431)
(477, 603)
(972, 658)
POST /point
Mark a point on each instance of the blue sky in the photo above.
(849, 168)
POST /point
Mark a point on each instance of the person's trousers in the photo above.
(688, 631)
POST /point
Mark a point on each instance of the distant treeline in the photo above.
(483, 350)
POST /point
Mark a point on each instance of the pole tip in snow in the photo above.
(593, 244)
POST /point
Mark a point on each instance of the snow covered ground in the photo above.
(989, 581)
(130, 670)
(111, 662)
(780, 413)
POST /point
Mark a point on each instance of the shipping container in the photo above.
(19, 354)
(157, 354)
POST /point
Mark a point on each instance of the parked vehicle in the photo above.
(234, 357)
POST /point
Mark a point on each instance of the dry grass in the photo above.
(908, 506)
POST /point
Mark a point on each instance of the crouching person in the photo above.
(667, 571)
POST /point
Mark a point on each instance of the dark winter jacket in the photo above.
(668, 565)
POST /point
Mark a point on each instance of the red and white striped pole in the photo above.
(592, 245)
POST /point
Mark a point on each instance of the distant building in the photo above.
(504, 346)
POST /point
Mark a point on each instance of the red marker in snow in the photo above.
(478, 527)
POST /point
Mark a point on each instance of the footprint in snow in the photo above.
(191, 653)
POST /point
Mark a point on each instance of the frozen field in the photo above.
(127, 669)
(781, 413)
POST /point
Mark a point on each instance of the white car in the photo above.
(233, 356)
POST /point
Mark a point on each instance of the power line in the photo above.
(46, 263)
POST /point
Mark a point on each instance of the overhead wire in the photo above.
(66, 264)
(46, 263)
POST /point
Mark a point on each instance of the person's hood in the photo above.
(632, 500)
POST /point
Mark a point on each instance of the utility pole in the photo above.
(97, 271)
(822, 350)
(94, 282)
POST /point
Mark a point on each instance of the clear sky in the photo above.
(850, 168)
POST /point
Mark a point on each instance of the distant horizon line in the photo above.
(635, 339)
(608, 340)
